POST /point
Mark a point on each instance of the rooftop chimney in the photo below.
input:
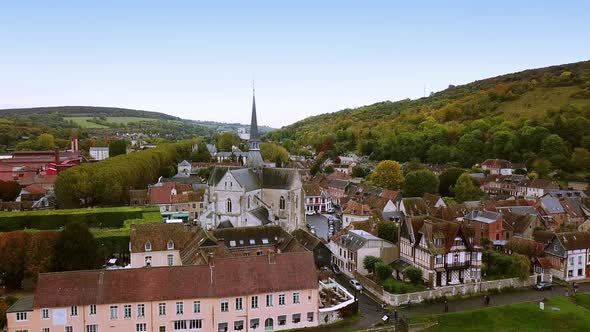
(56, 154)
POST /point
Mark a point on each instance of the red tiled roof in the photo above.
(356, 208)
(233, 276)
(35, 189)
(390, 194)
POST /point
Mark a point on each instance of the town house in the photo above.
(350, 249)
(256, 293)
(569, 254)
(441, 249)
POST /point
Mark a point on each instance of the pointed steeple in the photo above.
(254, 136)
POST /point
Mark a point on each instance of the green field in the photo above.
(83, 122)
(570, 314)
(534, 104)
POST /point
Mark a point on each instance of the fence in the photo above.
(369, 284)
(463, 289)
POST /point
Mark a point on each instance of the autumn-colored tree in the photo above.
(9, 190)
(226, 140)
(45, 142)
(275, 153)
(13, 248)
(388, 174)
(40, 255)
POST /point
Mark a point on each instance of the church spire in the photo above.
(254, 136)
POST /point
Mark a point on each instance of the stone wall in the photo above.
(464, 289)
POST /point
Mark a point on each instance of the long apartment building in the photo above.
(256, 293)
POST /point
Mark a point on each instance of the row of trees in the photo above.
(25, 255)
(108, 182)
(418, 181)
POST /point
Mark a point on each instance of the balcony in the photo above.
(458, 265)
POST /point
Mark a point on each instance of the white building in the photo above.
(99, 152)
(569, 254)
(350, 249)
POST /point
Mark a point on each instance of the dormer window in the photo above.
(438, 242)
(282, 203)
(170, 245)
(148, 246)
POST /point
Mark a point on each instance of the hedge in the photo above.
(114, 244)
(56, 219)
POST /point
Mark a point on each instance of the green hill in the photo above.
(509, 116)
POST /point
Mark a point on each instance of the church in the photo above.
(253, 195)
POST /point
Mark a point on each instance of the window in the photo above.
(93, 309)
(114, 312)
(141, 310)
(148, 260)
(310, 316)
(228, 205)
(69, 329)
(142, 327)
(179, 325)
(269, 300)
(21, 316)
(45, 329)
(249, 199)
(254, 323)
(170, 260)
(239, 305)
(439, 259)
(148, 246)
(170, 245)
(296, 318)
(438, 242)
(195, 324)
(179, 308)
(224, 306)
(127, 311)
(162, 329)
(254, 302)
(239, 325)
(579, 259)
(162, 309)
(268, 324)
(580, 272)
(571, 261)
(222, 327)
(45, 313)
(196, 307)
(295, 298)
(74, 310)
(282, 320)
(282, 203)
(281, 299)
(92, 328)
(570, 273)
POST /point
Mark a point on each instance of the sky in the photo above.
(197, 59)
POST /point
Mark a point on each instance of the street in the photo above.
(320, 224)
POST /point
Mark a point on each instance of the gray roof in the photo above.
(551, 205)
(211, 148)
(23, 304)
(253, 122)
(487, 217)
(99, 148)
(246, 178)
(352, 241)
(261, 213)
(524, 209)
(279, 178)
(340, 184)
(269, 178)
(184, 163)
(225, 224)
(567, 193)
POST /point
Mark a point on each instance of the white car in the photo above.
(356, 284)
(331, 210)
(310, 213)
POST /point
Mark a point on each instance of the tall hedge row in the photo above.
(55, 219)
(107, 183)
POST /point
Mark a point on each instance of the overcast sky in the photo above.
(197, 59)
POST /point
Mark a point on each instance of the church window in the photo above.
(249, 198)
(229, 205)
(282, 203)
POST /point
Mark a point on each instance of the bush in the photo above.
(414, 274)
(383, 270)
(55, 219)
(369, 263)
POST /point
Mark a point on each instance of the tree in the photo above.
(542, 167)
(40, 255)
(520, 266)
(76, 249)
(388, 174)
(447, 181)
(329, 169)
(13, 247)
(554, 149)
(581, 159)
(9, 190)
(117, 147)
(45, 142)
(383, 271)
(274, 153)
(388, 231)
(201, 154)
(414, 274)
(369, 263)
(359, 172)
(420, 182)
(467, 188)
(227, 140)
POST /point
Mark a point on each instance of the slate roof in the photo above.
(551, 205)
(270, 235)
(23, 304)
(356, 239)
(305, 238)
(483, 216)
(574, 240)
(229, 277)
(246, 178)
(279, 178)
(338, 184)
(262, 214)
(269, 178)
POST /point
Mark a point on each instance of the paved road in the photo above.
(320, 223)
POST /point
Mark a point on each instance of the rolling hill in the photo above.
(508, 116)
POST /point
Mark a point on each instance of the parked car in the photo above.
(310, 213)
(336, 269)
(356, 284)
(541, 286)
(331, 210)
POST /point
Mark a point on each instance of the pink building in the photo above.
(255, 293)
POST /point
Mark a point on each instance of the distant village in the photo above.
(250, 246)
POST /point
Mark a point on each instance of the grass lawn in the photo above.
(83, 122)
(395, 286)
(147, 211)
(520, 317)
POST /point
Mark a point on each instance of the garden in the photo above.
(382, 274)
